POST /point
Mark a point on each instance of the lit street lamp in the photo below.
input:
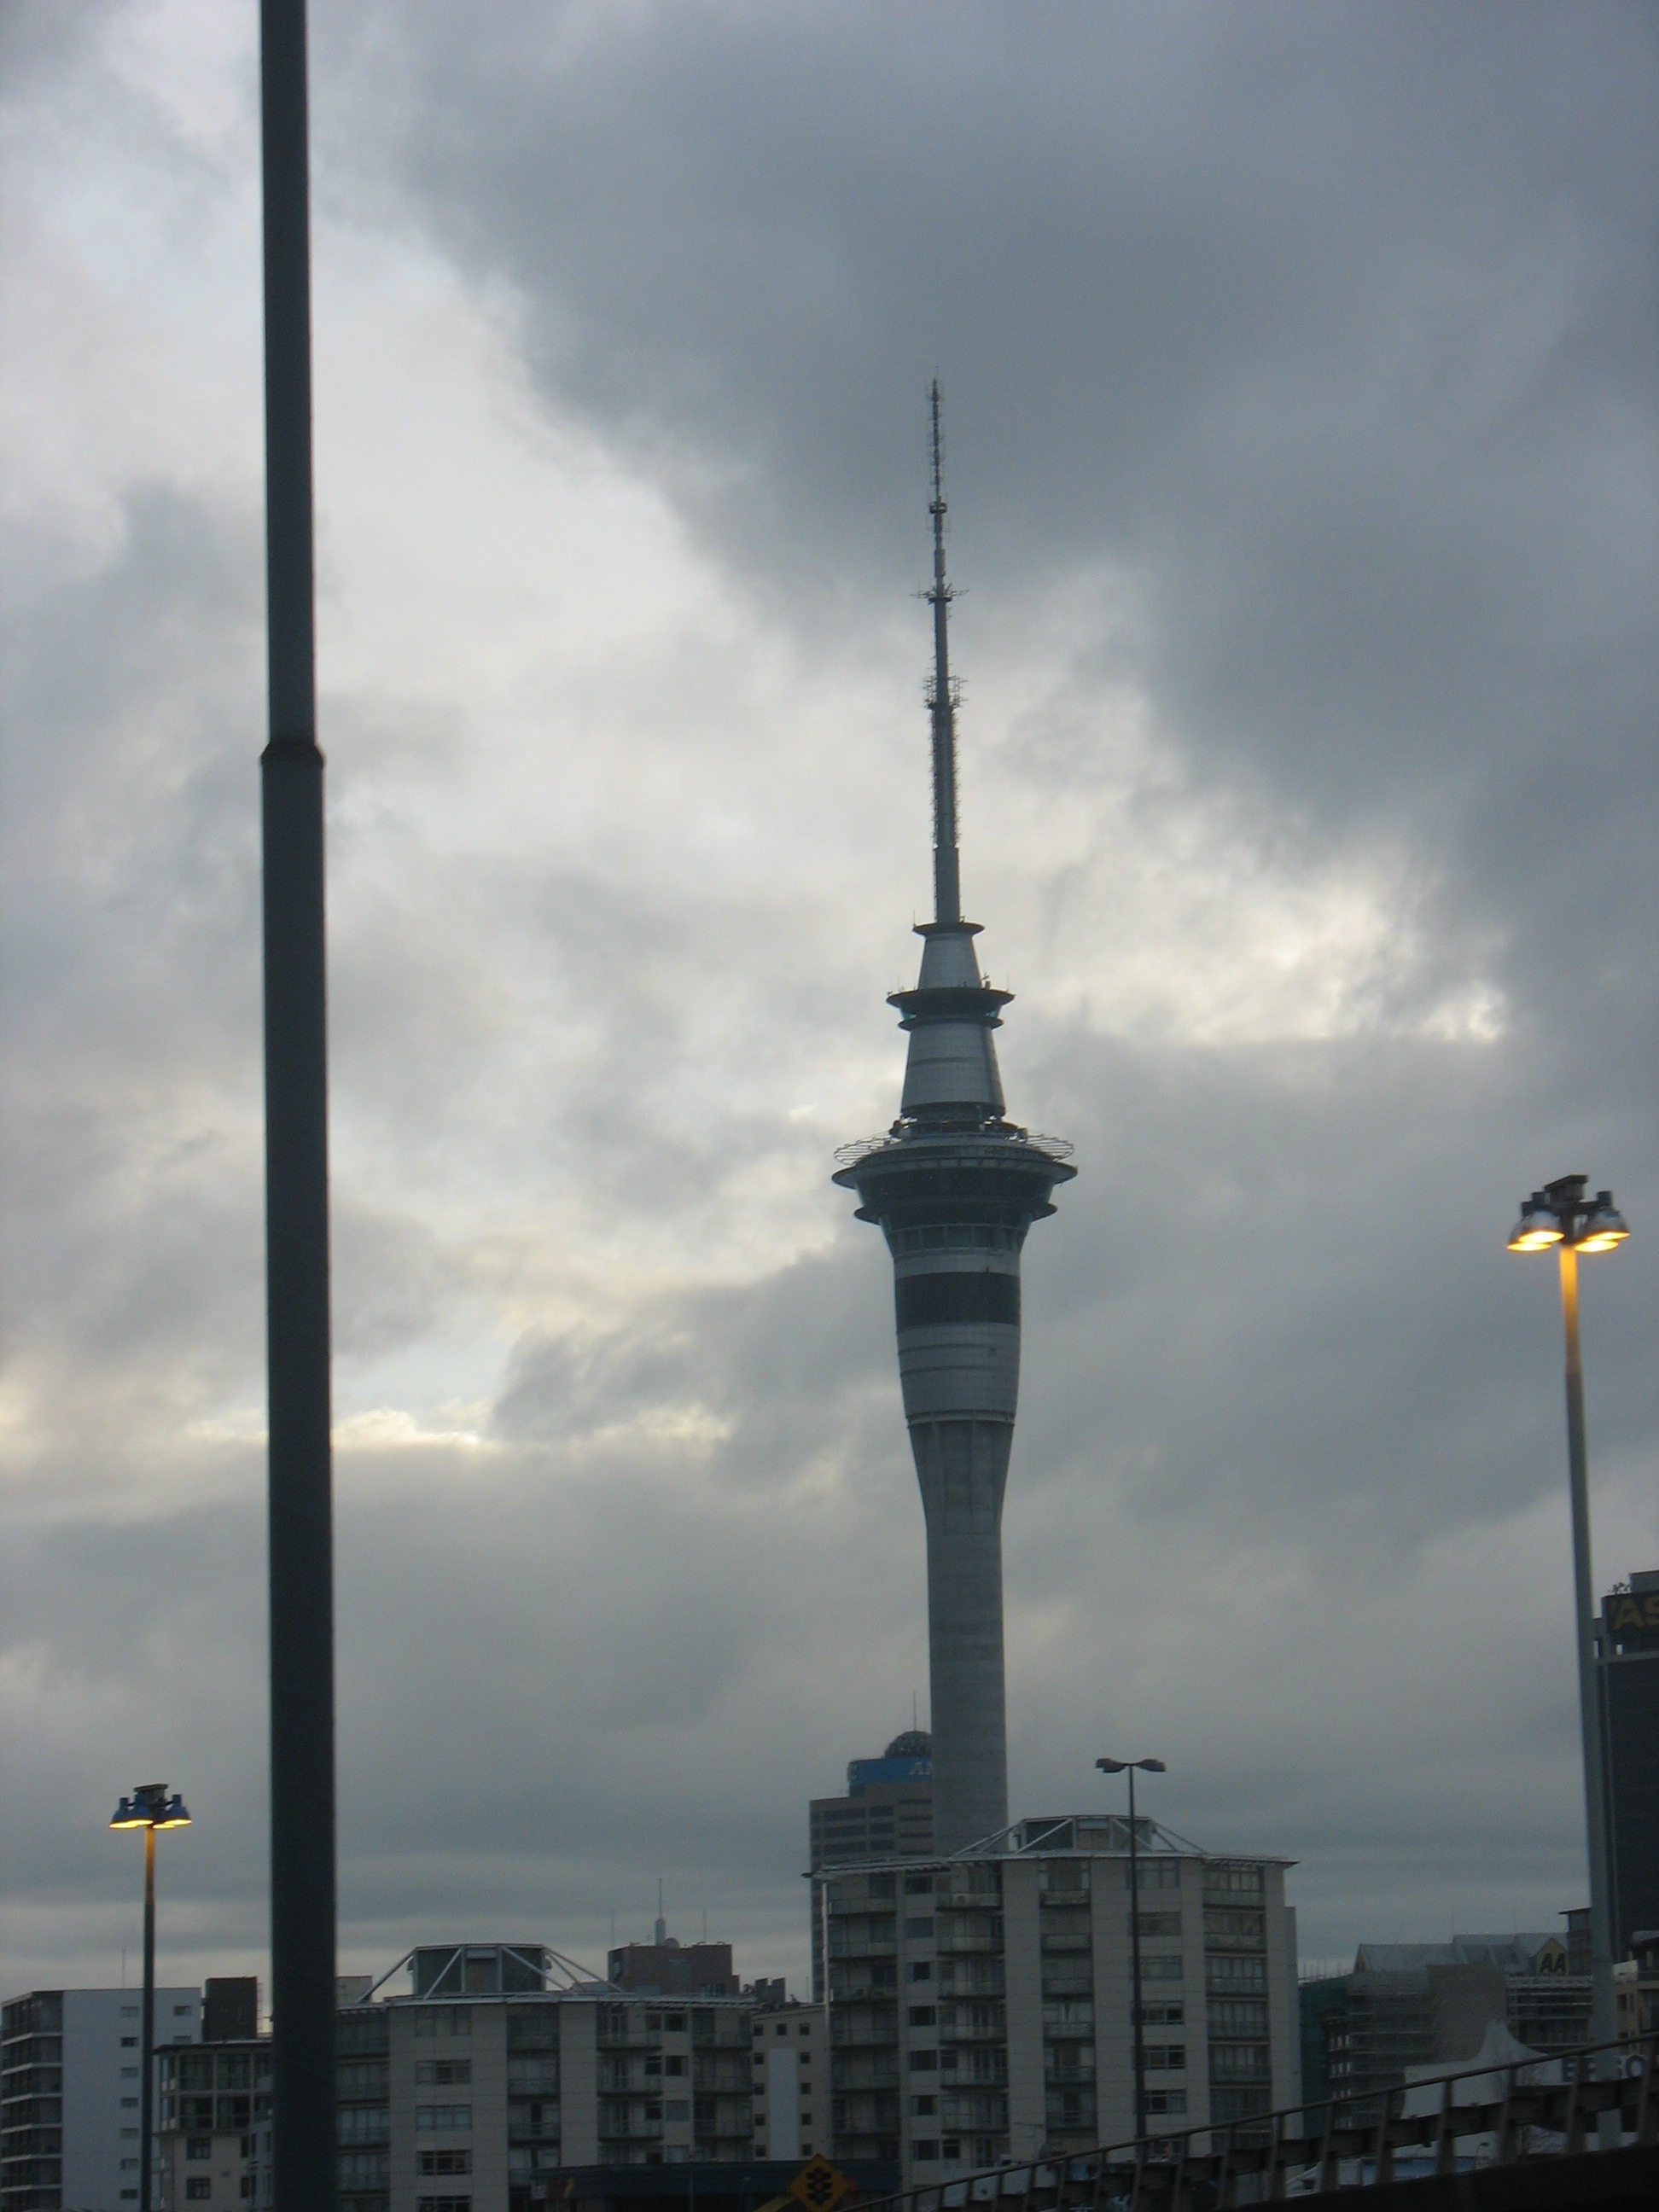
(1131, 1767)
(1562, 1215)
(150, 1807)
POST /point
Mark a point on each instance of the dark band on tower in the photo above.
(954, 1185)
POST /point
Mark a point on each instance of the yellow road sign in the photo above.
(819, 2186)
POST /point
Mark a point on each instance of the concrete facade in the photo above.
(791, 2082)
(981, 2006)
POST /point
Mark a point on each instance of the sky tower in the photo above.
(954, 1185)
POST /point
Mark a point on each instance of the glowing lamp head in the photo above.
(151, 1805)
(1538, 1228)
(1607, 1228)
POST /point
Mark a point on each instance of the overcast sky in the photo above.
(1299, 366)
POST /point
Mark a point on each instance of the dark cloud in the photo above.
(1299, 364)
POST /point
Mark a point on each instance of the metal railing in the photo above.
(1346, 2142)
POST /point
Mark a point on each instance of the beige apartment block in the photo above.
(981, 2006)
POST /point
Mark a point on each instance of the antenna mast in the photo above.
(942, 695)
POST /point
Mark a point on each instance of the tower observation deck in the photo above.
(954, 1185)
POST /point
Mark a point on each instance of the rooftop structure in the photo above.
(954, 1185)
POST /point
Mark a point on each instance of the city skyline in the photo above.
(1302, 405)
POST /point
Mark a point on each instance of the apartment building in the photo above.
(472, 2091)
(69, 2083)
(981, 2006)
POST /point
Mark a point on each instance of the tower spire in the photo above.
(942, 697)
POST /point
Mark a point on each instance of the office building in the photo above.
(887, 1814)
(70, 2080)
(1431, 2004)
(954, 1185)
(668, 1968)
(1629, 1654)
(981, 2005)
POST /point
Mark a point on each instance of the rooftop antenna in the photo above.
(662, 1925)
(943, 694)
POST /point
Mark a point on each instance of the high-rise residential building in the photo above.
(981, 2008)
(484, 2086)
(70, 2090)
(213, 2138)
(1629, 1654)
(887, 1814)
(954, 1185)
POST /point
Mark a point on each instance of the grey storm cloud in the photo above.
(1299, 371)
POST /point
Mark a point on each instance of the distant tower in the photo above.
(954, 1185)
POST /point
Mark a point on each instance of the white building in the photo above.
(981, 2006)
(69, 2123)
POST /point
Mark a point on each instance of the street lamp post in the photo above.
(150, 1806)
(1131, 1767)
(1562, 1214)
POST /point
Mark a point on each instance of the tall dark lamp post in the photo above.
(1132, 1767)
(300, 1497)
(1562, 1214)
(150, 1806)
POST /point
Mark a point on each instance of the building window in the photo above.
(921, 1970)
(1172, 2102)
(923, 2108)
(916, 1929)
(198, 2147)
(200, 2188)
(360, 2123)
(441, 2119)
(431, 2073)
(443, 2204)
(924, 2152)
(924, 2062)
(920, 2016)
(443, 2161)
(1155, 1873)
